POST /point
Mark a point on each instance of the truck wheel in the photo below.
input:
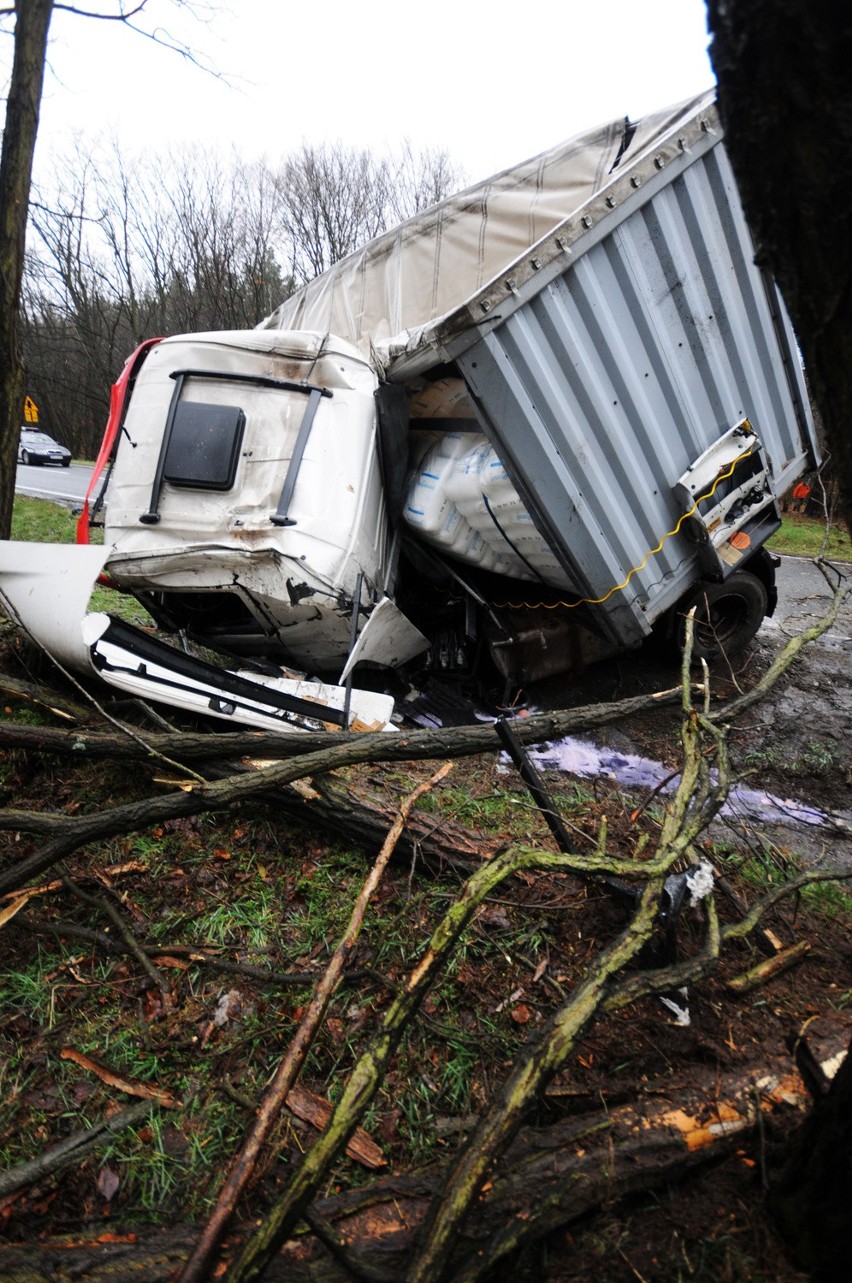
(727, 615)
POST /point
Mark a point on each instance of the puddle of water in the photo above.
(583, 758)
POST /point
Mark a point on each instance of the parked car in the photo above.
(37, 447)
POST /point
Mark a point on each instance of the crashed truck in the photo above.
(526, 429)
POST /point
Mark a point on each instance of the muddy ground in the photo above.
(796, 745)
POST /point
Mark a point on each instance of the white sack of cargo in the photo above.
(460, 499)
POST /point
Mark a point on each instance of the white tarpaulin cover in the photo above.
(398, 294)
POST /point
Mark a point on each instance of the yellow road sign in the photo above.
(30, 410)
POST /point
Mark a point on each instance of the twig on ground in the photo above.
(197, 1268)
(73, 1148)
(770, 967)
(103, 905)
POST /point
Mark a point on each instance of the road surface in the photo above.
(65, 486)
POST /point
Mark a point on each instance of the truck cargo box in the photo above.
(603, 307)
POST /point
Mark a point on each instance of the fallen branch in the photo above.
(416, 745)
(198, 1267)
(770, 967)
(552, 1177)
(73, 1149)
(131, 944)
(130, 1086)
(69, 833)
(698, 798)
(50, 701)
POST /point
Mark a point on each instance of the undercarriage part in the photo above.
(535, 644)
(449, 651)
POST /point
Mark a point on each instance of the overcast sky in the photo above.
(490, 82)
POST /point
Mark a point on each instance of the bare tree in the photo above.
(32, 20)
(126, 247)
(336, 199)
(16, 167)
(225, 220)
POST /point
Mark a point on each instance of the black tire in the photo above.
(66, 463)
(25, 458)
(727, 615)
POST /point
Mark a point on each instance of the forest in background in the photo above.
(123, 248)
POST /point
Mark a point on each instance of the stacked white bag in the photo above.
(460, 499)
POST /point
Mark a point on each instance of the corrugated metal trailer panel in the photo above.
(608, 382)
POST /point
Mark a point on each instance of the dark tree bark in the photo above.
(812, 1193)
(32, 20)
(553, 1176)
(785, 96)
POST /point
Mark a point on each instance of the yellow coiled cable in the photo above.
(598, 601)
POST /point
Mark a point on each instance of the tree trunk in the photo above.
(785, 96)
(811, 1196)
(16, 166)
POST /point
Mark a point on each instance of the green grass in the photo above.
(801, 536)
(40, 521)
(502, 809)
(765, 866)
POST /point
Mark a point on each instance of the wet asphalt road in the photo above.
(65, 486)
(804, 597)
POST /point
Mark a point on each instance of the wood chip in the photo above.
(316, 1111)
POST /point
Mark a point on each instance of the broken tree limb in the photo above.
(330, 803)
(131, 944)
(316, 1111)
(198, 1267)
(368, 1073)
(74, 1148)
(69, 833)
(44, 698)
(409, 745)
(363, 815)
(531, 1070)
(696, 801)
(770, 967)
(74, 832)
(644, 984)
